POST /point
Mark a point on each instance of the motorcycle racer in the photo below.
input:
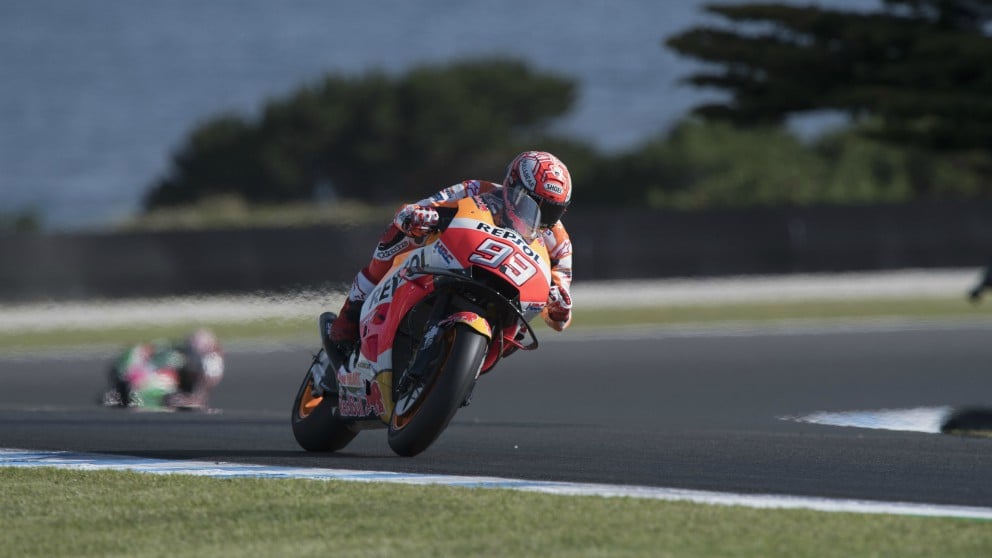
(167, 374)
(537, 174)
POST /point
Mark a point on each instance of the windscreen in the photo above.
(520, 212)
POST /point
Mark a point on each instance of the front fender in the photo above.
(472, 320)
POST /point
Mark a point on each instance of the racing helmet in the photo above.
(545, 179)
(207, 364)
(202, 342)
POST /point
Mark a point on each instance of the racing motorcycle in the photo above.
(162, 375)
(445, 313)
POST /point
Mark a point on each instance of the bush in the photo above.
(379, 140)
(372, 138)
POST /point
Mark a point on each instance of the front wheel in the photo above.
(425, 406)
(316, 425)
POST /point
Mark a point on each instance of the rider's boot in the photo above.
(344, 329)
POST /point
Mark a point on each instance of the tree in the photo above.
(703, 165)
(373, 137)
(916, 73)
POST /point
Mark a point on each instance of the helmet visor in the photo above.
(521, 212)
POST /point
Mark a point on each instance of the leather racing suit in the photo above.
(395, 241)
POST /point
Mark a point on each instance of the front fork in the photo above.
(429, 351)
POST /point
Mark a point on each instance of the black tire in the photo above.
(412, 431)
(968, 421)
(316, 425)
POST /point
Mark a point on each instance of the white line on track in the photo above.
(919, 419)
(91, 462)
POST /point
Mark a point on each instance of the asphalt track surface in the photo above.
(661, 407)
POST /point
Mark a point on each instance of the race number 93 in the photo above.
(500, 255)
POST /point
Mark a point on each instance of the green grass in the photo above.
(916, 308)
(262, 331)
(53, 513)
(296, 328)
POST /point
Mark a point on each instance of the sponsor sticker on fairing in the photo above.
(351, 407)
(441, 250)
(386, 253)
(533, 307)
(350, 380)
(366, 402)
(385, 290)
(512, 236)
(374, 404)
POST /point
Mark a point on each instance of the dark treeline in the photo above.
(914, 80)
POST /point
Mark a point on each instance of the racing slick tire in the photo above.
(424, 410)
(316, 425)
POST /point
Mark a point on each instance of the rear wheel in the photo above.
(425, 405)
(316, 425)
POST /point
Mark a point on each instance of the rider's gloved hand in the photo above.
(559, 309)
(416, 220)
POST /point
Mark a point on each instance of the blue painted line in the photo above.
(93, 462)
